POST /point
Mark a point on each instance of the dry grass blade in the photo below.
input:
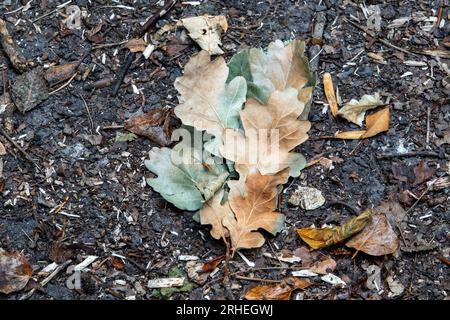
(329, 93)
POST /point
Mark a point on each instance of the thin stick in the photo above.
(64, 85)
(280, 268)
(410, 154)
(108, 45)
(46, 280)
(424, 193)
(123, 71)
(428, 127)
(370, 33)
(131, 55)
(113, 127)
(89, 114)
(256, 279)
(16, 145)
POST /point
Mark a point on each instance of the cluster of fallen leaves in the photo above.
(355, 111)
(257, 89)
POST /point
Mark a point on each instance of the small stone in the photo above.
(307, 198)
(395, 286)
(29, 90)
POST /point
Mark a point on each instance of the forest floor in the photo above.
(89, 196)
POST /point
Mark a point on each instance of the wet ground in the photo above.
(91, 199)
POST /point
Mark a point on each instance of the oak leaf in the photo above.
(318, 238)
(271, 132)
(355, 110)
(282, 67)
(214, 212)
(188, 184)
(375, 123)
(206, 31)
(207, 102)
(254, 209)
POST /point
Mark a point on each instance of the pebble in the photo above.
(307, 198)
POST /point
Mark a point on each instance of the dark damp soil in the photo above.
(104, 208)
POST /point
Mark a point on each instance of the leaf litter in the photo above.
(214, 99)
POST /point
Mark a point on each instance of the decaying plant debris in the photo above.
(216, 100)
(87, 90)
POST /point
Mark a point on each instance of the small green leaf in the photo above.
(297, 163)
(185, 185)
(239, 66)
(125, 136)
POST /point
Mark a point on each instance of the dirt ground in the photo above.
(104, 208)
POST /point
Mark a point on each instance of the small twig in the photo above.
(354, 149)
(237, 276)
(440, 14)
(61, 206)
(52, 11)
(293, 268)
(428, 127)
(131, 55)
(444, 260)
(64, 85)
(123, 71)
(108, 45)
(348, 206)
(371, 34)
(46, 280)
(154, 19)
(410, 154)
(113, 127)
(89, 114)
(430, 186)
(16, 145)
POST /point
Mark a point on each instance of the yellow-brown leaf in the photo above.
(254, 209)
(318, 238)
(271, 132)
(329, 93)
(375, 123)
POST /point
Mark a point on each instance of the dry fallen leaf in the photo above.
(207, 102)
(136, 45)
(422, 173)
(213, 213)
(377, 238)
(318, 238)
(271, 132)
(254, 209)
(15, 271)
(154, 125)
(323, 267)
(57, 74)
(375, 123)
(279, 291)
(355, 110)
(393, 211)
(199, 272)
(329, 93)
(206, 31)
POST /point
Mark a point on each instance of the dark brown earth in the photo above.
(117, 214)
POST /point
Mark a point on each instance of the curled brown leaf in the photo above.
(279, 291)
